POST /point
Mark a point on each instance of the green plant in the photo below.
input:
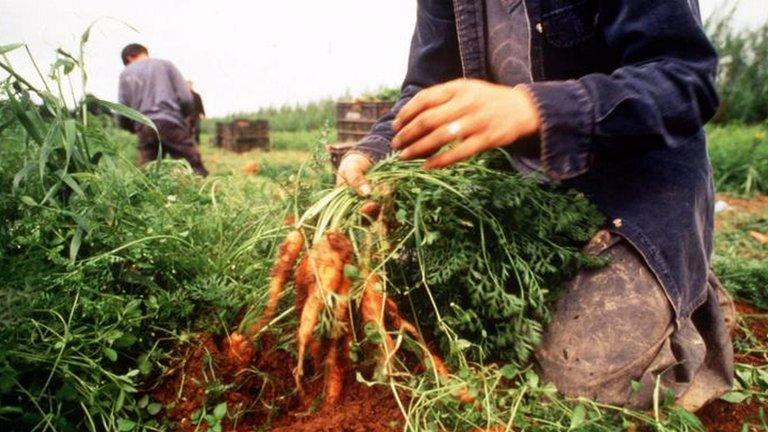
(212, 420)
(739, 156)
(743, 74)
(105, 265)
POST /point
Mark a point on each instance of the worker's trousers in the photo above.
(614, 336)
(174, 140)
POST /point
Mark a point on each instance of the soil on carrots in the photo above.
(258, 385)
(724, 416)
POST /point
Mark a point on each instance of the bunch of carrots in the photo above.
(320, 272)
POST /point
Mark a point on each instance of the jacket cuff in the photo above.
(567, 124)
(373, 146)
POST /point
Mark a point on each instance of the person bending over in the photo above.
(155, 88)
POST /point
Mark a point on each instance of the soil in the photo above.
(755, 206)
(258, 385)
(722, 416)
(361, 409)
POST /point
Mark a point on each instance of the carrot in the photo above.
(335, 367)
(238, 350)
(463, 394)
(393, 313)
(325, 263)
(372, 312)
(289, 253)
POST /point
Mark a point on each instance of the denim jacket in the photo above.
(624, 88)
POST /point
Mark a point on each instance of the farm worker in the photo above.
(609, 98)
(155, 88)
(198, 113)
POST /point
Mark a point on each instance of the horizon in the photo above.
(239, 58)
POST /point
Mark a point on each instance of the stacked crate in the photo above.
(243, 135)
(355, 119)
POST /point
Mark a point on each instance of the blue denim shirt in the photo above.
(624, 88)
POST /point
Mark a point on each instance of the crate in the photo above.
(242, 135)
(354, 120)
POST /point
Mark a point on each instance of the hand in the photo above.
(352, 171)
(478, 114)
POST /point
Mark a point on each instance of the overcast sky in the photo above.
(243, 54)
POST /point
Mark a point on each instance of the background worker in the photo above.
(198, 113)
(155, 88)
(613, 95)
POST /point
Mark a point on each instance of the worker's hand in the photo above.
(352, 171)
(476, 114)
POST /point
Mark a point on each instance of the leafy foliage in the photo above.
(490, 248)
(739, 260)
(105, 265)
(743, 76)
(739, 156)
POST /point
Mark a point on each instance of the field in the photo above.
(149, 299)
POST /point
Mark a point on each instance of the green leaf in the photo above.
(120, 400)
(735, 397)
(125, 425)
(509, 371)
(4, 49)
(70, 181)
(125, 341)
(154, 408)
(462, 344)
(74, 244)
(28, 201)
(220, 411)
(23, 173)
(352, 272)
(577, 417)
(532, 379)
(70, 137)
(373, 334)
(110, 353)
(144, 365)
(143, 402)
(688, 418)
(126, 112)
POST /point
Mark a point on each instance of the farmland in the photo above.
(147, 298)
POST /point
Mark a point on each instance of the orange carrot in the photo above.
(393, 314)
(372, 312)
(336, 360)
(289, 253)
(325, 262)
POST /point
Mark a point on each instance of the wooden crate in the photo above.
(243, 135)
(354, 120)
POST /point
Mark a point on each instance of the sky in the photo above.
(243, 55)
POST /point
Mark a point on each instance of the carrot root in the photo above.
(281, 273)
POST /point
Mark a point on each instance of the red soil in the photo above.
(361, 409)
(722, 416)
(257, 384)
